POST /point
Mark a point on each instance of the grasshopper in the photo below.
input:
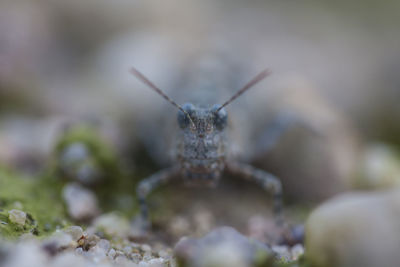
(201, 155)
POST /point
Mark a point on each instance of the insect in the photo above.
(201, 155)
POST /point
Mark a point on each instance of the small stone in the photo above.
(164, 254)
(104, 244)
(127, 249)
(297, 251)
(121, 259)
(136, 257)
(17, 216)
(146, 248)
(222, 247)
(61, 240)
(25, 254)
(380, 168)
(282, 252)
(111, 253)
(91, 241)
(81, 202)
(68, 259)
(75, 232)
(156, 262)
(355, 229)
(143, 264)
(112, 224)
(97, 253)
(179, 226)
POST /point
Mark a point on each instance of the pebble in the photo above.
(380, 168)
(75, 232)
(17, 216)
(297, 251)
(355, 229)
(60, 240)
(104, 244)
(223, 246)
(282, 252)
(111, 253)
(113, 225)
(26, 254)
(81, 202)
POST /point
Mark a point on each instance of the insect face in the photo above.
(201, 143)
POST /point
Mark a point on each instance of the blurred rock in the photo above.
(17, 216)
(81, 202)
(27, 142)
(25, 254)
(222, 247)
(355, 229)
(318, 154)
(380, 168)
(75, 232)
(112, 224)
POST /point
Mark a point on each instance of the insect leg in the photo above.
(268, 181)
(148, 185)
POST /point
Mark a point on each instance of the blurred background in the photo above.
(72, 114)
(336, 63)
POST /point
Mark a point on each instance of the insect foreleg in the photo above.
(148, 185)
(268, 182)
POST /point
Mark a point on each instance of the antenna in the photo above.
(259, 77)
(146, 81)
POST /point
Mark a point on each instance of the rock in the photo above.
(75, 232)
(60, 240)
(81, 202)
(70, 259)
(355, 229)
(380, 168)
(222, 247)
(25, 254)
(113, 225)
(104, 244)
(321, 146)
(17, 216)
(297, 251)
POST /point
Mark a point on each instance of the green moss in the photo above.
(102, 155)
(116, 190)
(33, 195)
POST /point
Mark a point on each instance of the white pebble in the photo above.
(121, 259)
(17, 216)
(104, 244)
(127, 249)
(158, 262)
(283, 252)
(113, 224)
(297, 251)
(164, 254)
(75, 232)
(111, 253)
(146, 247)
(81, 202)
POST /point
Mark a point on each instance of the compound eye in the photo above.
(220, 117)
(183, 119)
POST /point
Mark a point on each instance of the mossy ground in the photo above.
(40, 196)
(36, 197)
